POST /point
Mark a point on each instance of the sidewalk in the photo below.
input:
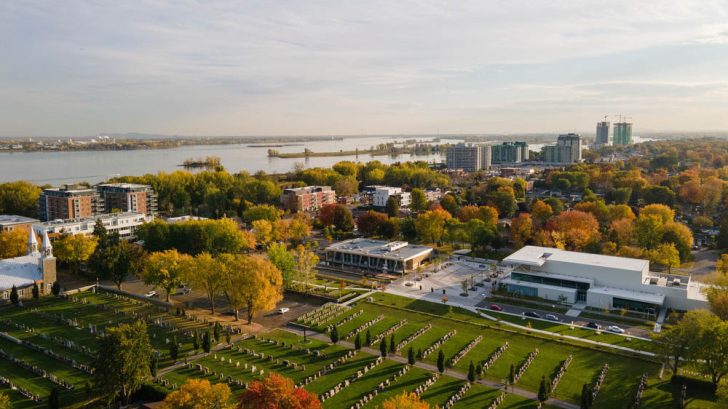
(432, 368)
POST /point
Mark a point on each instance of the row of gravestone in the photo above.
(36, 370)
(28, 394)
(344, 320)
(412, 337)
(322, 314)
(560, 373)
(522, 369)
(437, 344)
(494, 356)
(364, 326)
(328, 368)
(380, 388)
(461, 354)
(346, 382)
(391, 330)
(452, 400)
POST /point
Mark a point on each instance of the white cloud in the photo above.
(311, 67)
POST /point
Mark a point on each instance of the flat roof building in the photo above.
(622, 133)
(10, 222)
(376, 255)
(602, 138)
(307, 199)
(510, 152)
(125, 224)
(128, 197)
(383, 193)
(599, 281)
(69, 202)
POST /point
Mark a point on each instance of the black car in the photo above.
(533, 314)
(592, 325)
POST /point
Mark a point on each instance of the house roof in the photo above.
(20, 271)
(537, 256)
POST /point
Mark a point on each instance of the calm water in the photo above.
(57, 168)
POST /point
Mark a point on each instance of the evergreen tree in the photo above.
(36, 291)
(195, 342)
(154, 365)
(471, 372)
(56, 288)
(174, 348)
(89, 389)
(543, 393)
(357, 342)
(334, 335)
(383, 347)
(585, 397)
(53, 399)
(441, 361)
(206, 342)
(419, 353)
(14, 295)
(392, 206)
(392, 344)
(228, 337)
(479, 370)
(512, 375)
(217, 329)
(368, 339)
(411, 356)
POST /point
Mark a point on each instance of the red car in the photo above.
(495, 307)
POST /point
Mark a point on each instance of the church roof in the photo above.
(20, 271)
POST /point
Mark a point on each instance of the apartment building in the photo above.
(128, 198)
(307, 199)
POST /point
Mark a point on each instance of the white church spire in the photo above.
(32, 243)
(46, 248)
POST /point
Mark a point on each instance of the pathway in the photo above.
(432, 368)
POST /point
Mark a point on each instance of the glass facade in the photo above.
(632, 305)
(581, 288)
(522, 290)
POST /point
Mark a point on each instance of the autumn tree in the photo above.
(430, 225)
(665, 254)
(74, 250)
(405, 400)
(251, 282)
(370, 223)
(19, 198)
(199, 394)
(122, 360)
(540, 212)
(664, 213)
(418, 200)
(165, 269)
(277, 391)
(13, 243)
(577, 229)
(306, 262)
(263, 231)
(5, 402)
(521, 229)
(206, 273)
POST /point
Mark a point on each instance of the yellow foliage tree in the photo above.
(74, 249)
(13, 243)
(405, 401)
(165, 269)
(199, 394)
(263, 231)
(252, 282)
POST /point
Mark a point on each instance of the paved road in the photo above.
(637, 331)
(432, 368)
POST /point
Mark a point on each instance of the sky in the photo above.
(308, 67)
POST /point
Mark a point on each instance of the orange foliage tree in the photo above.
(578, 229)
(277, 392)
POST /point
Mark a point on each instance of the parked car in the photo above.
(615, 329)
(151, 294)
(552, 317)
(283, 310)
(496, 307)
(533, 314)
(592, 325)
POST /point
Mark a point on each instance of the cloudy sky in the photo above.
(308, 67)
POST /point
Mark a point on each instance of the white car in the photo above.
(283, 310)
(615, 329)
(151, 294)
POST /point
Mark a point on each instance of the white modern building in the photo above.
(599, 281)
(125, 224)
(377, 255)
(383, 193)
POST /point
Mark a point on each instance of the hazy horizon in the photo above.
(308, 68)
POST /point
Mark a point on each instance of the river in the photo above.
(56, 168)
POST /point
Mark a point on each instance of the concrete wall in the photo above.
(552, 294)
(603, 276)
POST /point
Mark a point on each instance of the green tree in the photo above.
(392, 206)
(284, 260)
(174, 348)
(383, 347)
(19, 198)
(154, 365)
(418, 200)
(450, 204)
(335, 335)
(368, 339)
(357, 342)
(306, 262)
(471, 372)
(411, 356)
(56, 288)
(122, 360)
(36, 291)
(342, 218)
(512, 375)
(392, 344)
(206, 341)
(586, 397)
(54, 401)
(543, 392)
(441, 361)
(266, 212)
(14, 295)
